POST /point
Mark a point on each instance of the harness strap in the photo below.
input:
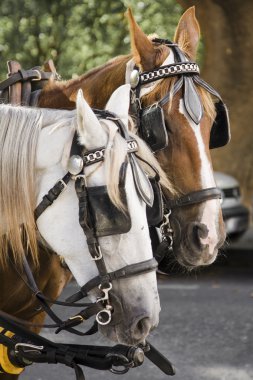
(52, 195)
(25, 75)
(194, 197)
(91, 309)
(159, 360)
(35, 348)
(125, 272)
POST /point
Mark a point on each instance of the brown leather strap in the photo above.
(194, 197)
(23, 75)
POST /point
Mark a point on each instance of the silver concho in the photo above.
(134, 78)
(75, 164)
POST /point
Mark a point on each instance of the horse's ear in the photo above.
(119, 102)
(187, 33)
(142, 48)
(90, 132)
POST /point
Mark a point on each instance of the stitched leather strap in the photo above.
(25, 75)
(194, 197)
(52, 195)
(125, 272)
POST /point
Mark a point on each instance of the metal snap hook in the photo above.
(166, 230)
(105, 291)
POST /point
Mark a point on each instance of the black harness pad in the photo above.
(220, 132)
(108, 220)
(155, 213)
(153, 129)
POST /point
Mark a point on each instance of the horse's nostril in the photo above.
(141, 328)
(200, 230)
(195, 232)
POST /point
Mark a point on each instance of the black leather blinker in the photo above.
(220, 132)
(108, 219)
(155, 213)
(153, 129)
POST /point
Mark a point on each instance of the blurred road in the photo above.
(206, 326)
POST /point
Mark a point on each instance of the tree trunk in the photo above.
(227, 32)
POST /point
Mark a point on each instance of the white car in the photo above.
(235, 214)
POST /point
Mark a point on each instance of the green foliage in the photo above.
(77, 34)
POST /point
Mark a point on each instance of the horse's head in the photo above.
(116, 211)
(183, 100)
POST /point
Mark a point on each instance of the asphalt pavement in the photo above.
(205, 329)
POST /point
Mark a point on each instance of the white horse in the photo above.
(35, 148)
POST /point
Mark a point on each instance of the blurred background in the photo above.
(206, 318)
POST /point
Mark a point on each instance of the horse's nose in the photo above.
(198, 241)
(141, 328)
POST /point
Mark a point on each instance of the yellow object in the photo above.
(5, 362)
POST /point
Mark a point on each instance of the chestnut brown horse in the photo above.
(186, 159)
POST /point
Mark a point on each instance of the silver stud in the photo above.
(75, 164)
(134, 78)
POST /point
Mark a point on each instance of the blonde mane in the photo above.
(19, 132)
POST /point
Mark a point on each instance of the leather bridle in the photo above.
(102, 308)
(187, 72)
